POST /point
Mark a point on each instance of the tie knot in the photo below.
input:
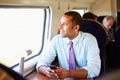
(70, 42)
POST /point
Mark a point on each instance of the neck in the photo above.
(74, 36)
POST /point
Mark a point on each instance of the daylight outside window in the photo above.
(21, 31)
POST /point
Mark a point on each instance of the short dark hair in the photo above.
(89, 15)
(76, 17)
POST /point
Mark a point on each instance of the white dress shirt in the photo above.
(86, 53)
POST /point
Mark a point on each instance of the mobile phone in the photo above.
(53, 67)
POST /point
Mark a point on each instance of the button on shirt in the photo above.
(86, 53)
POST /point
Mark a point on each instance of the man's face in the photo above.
(108, 24)
(67, 29)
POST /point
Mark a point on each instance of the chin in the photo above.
(63, 35)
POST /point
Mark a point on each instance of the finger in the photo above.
(52, 71)
(47, 74)
(50, 74)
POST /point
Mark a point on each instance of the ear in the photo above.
(77, 27)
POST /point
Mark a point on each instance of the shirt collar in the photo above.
(75, 40)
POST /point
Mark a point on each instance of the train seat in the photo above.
(96, 29)
(117, 46)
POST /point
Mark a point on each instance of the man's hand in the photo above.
(62, 73)
(48, 72)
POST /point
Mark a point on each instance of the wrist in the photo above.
(68, 74)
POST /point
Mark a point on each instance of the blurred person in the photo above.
(89, 15)
(108, 22)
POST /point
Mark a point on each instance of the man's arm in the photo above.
(80, 73)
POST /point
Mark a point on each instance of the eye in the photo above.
(65, 24)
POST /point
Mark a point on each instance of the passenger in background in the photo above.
(108, 22)
(86, 62)
(94, 17)
(89, 15)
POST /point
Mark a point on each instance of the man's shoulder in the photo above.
(86, 34)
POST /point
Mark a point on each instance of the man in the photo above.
(90, 15)
(85, 46)
(108, 22)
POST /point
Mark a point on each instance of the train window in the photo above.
(22, 32)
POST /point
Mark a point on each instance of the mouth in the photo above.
(61, 32)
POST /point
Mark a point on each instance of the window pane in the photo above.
(21, 31)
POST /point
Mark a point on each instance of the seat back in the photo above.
(96, 29)
(117, 47)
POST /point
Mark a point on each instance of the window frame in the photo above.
(28, 67)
